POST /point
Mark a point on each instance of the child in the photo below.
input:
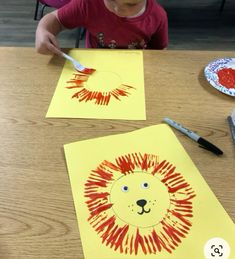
(109, 24)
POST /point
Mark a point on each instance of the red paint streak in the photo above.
(144, 165)
(227, 77)
(185, 201)
(126, 244)
(167, 241)
(170, 175)
(186, 228)
(90, 189)
(122, 91)
(95, 196)
(125, 164)
(175, 180)
(109, 224)
(96, 221)
(96, 206)
(173, 233)
(139, 241)
(159, 167)
(100, 209)
(96, 183)
(153, 246)
(159, 242)
(92, 206)
(102, 173)
(100, 98)
(116, 237)
(184, 210)
(147, 243)
(183, 217)
(87, 95)
(88, 71)
(137, 159)
(175, 189)
(78, 81)
(131, 245)
(92, 203)
(110, 165)
(120, 240)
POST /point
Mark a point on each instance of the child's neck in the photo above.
(140, 12)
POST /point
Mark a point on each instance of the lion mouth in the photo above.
(144, 211)
(142, 204)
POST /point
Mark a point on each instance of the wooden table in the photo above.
(37, 217)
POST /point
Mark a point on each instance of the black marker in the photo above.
(203, 142)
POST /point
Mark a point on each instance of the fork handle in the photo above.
(67, 57)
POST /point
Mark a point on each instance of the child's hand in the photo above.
(48, 28)
(46, 43)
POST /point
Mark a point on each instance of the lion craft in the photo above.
(138, 195)
(139, 203)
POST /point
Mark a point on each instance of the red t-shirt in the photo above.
(107, 30)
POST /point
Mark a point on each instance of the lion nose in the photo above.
(141, 203)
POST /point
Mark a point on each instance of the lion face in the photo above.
(139, 204)
(139, 199)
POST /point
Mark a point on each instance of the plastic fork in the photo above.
(78, 66)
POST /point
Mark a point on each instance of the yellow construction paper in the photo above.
(139, 195)
(114, 91)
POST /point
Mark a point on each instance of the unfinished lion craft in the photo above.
(115, 90)
(143, 200)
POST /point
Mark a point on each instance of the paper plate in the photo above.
(211, 74)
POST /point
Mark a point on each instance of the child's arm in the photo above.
(48, 27)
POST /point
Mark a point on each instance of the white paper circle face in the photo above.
(216, 248)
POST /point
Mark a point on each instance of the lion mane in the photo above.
(115, 233)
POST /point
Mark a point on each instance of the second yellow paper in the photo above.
(139, 195)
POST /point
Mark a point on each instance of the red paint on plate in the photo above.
(227, 77)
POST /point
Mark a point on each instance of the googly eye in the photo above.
(145, 185)
(125, 188)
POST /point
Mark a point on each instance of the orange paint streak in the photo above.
(100, 98)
